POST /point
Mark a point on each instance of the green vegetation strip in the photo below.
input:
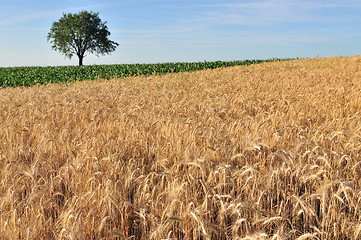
(29, 76)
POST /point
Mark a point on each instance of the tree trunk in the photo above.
(81, 60)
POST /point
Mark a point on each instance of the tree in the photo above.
(75, 34)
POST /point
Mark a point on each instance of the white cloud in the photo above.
(24, 18)
(268, 12)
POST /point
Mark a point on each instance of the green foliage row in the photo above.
(29, 76)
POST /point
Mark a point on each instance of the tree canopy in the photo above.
(76, 34)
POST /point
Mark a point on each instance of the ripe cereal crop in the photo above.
(266, 151)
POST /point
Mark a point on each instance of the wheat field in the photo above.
(268, 151)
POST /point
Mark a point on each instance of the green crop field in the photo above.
(29, 76)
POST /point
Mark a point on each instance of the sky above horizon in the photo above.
(153, 31)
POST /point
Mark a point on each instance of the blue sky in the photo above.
(151, 31)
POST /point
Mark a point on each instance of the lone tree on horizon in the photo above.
(75, 34)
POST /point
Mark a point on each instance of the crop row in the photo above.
(28, 76)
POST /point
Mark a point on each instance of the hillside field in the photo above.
(266, 151)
